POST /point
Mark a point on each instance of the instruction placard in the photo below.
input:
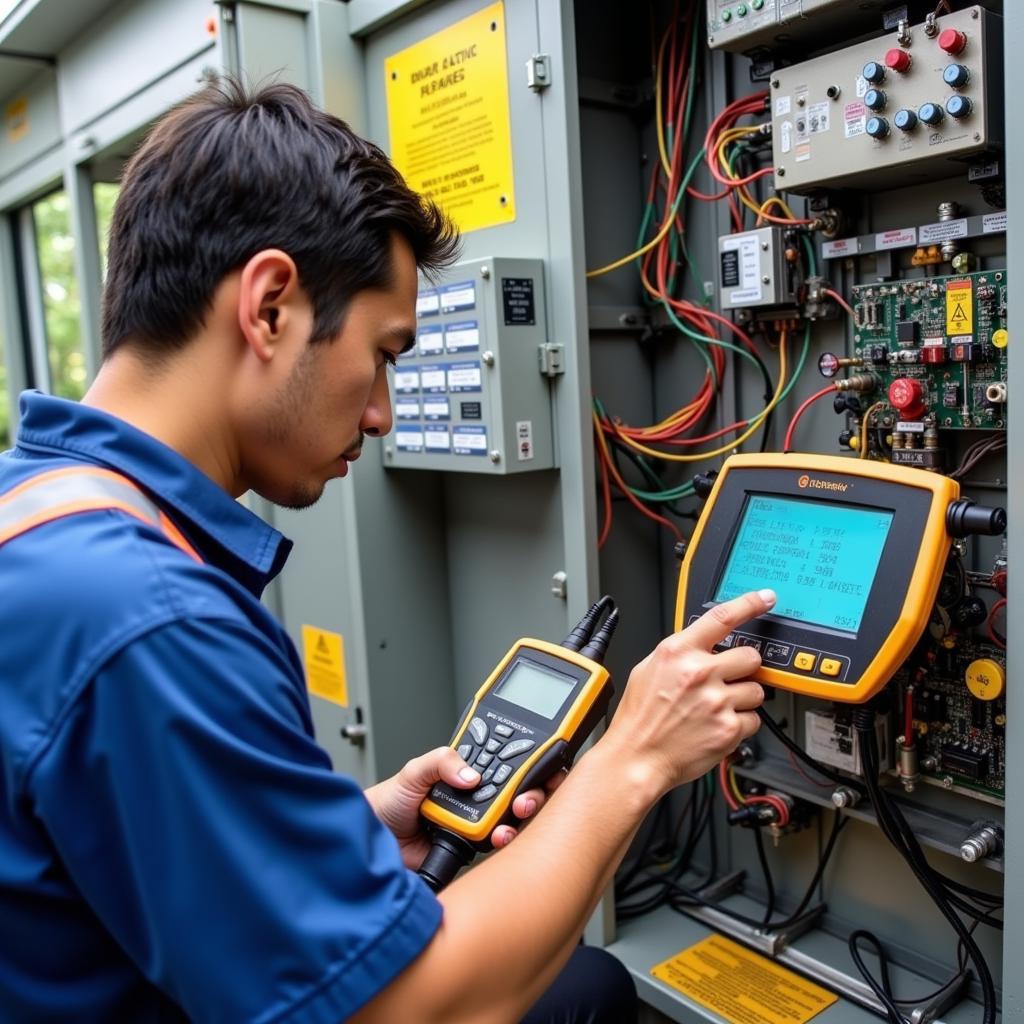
(448, 119)
(959, 309)
(741, 986)
(324, 656)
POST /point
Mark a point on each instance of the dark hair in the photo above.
(226, 174)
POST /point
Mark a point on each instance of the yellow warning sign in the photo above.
(959, 308)
(448, 119)
(16, 119)
(324, 655)
(741, 986)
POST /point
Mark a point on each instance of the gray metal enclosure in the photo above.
(429, 575)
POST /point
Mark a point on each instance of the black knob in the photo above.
(874, 72)
(877, 127)
(931, 113)
(874, 99)
(905, 120)
(958, 107)
(971, 611)
(956, 76)
(964, 518)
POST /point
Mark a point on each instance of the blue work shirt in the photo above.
(173, 843)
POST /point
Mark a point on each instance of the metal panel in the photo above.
(272, 44)
(43, 131)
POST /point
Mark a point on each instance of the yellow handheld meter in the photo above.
(527, 722)
(854, 549)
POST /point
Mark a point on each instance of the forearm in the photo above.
(526, 906)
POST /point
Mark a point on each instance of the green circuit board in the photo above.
(946, 333)
(959, 737)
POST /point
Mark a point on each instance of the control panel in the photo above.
(472, 395)
(904, 107)
(753, 270)
(749, 25)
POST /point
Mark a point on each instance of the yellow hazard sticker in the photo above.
(740, 986)
(959, 307)
(448, 119)
(324, 656)
(16, 121)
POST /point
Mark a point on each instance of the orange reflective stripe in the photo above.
(59, 493)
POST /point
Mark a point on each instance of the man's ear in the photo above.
(268, 295)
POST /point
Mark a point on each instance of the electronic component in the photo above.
(818, 530)
(829, 737)
(826, 129)
(753, 270)
(471, 397)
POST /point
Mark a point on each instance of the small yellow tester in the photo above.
(854, 549)
(527, 722)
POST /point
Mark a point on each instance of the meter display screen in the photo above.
(537, 689)
(820, 559)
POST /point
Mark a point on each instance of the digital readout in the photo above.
(820, 559)
(540, 690)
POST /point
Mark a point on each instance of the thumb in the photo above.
(442, 764)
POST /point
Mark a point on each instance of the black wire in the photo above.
(769, 882)
(822, 769)
(882, 988)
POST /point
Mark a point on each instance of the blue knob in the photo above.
(958, 106)
(877, 127)
(956, 76)
(931, 113)
(905, 120)
(874, 72)
(874, 99)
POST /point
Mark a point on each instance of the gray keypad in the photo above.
(493, 746)
(488, 775)
(478, 730)
(484, 793)
(503, 730)
(484, 760)
(515, 747)
(465, 750)
(503, 772)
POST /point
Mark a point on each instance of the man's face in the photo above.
(335, 393)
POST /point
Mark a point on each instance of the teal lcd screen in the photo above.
(540, 690)
(820, 558)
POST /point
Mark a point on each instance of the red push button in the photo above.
(907, 396)
(953, 41)
(898, 60)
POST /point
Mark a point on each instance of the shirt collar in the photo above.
(227, 534)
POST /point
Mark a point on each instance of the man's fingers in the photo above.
(440, 764)
(737, 663)
(529, 803)
(746, 696)
(749, 723)
(502, 836)
(718, 622)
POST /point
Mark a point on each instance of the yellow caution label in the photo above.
(740, 986)
(448, 119)
(324, 656)
(16, 120)
(959, 307)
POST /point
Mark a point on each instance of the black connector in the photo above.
(598, 646)
(753, 816)
(703, 484)
(583, 631)
(448, 855)
(965, 518)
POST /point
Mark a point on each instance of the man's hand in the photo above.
(684, 708)
(396, 801)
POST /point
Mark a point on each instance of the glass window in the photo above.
(104, 194)
(55, 246)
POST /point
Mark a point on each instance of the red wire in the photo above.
(788, 440)
(723, 782)
(832, 294)
(606, 493)
(809, 778)
(908, 716)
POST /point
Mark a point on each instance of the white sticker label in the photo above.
(783, 105)
(462, 337)
(898, 238)
(469, 440)
(438, 439)
(407, 409)
(428, 303)
(465, 377)
(862, 87)
(432, 378)
(943, 231)
(840, 247)
(409, 439)
(458, 296)
(436, 408)
(803, 152)
(430, 341)
(407, 380)
(818, 117)
(749, 268)
(910, 427)
(993, 222)
(786, 136)
(854, 119)
(524, 440)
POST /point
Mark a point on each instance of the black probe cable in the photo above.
(896, 828)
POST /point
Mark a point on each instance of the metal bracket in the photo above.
(552, 360)
(538, 72)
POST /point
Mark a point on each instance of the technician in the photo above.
(173, 843)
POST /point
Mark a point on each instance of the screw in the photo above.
(765, 247)
(780, 172)
(801, 101)
(485, 272)
(947, 781)
(974, 14)
(494, 455)
(977, 136)
(775, 83)
(389, 452)
(487, 359)
(503, 200)
(766, 279)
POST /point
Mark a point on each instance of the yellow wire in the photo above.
(658, 67)
(864, 428)
(734, 786)
(755, 423)
(777, 201)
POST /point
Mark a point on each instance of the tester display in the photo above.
(854, 549)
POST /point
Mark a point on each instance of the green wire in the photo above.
(812, 262)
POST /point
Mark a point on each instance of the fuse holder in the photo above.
(907, 395)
